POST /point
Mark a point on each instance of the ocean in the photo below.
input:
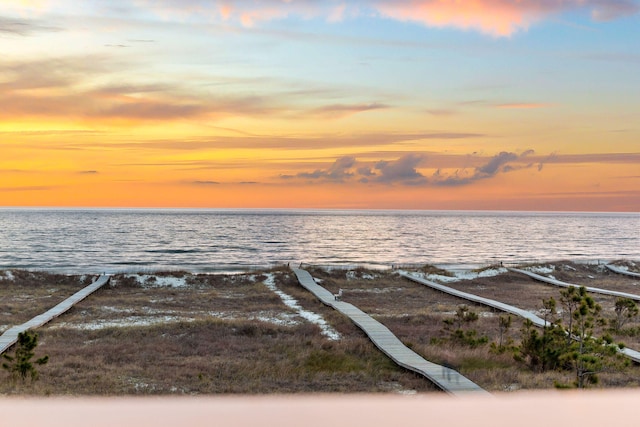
(202, 240)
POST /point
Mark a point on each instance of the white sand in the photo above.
(310, 316)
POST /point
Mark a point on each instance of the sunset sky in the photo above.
(409, 104)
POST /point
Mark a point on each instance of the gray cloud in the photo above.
(467, 169)
(402, 170)
(204, 183)
(549, 158)
(339, 171)
(500, 163)
(496, 164)
(608, 10)
(16, 27)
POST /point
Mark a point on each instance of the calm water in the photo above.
(97, 240)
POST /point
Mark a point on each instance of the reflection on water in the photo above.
(207, 240)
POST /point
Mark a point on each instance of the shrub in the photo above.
(20, 365)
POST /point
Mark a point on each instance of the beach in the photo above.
(260, 332)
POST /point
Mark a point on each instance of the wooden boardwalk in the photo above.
(447, 379)
(10, 336)
(555, 282)
(619, 270)
(538, 321)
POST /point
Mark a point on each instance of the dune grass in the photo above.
(181, 333)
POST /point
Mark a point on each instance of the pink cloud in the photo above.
(498, 17)
(495, 17)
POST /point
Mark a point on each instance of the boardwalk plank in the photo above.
(619, 270)
(10, 336)
(537, 321)
(447, 379)
(556, 282)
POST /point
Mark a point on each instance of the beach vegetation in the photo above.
(625, 310)
(21, 365)
(432, 269)
(573, 347)
(225, 334)
(458, 328)
(504, 342)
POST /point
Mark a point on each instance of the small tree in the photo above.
(625, 309)
(541, 351)
(20, 365)
(586, 354)
(504, 323)
(570, 301)
(464, 316)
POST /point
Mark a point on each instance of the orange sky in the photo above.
(528, 105)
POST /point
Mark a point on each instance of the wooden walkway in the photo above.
(447, 379)
(555, 282)
(619, 270)
(10, 336)
(538, 321)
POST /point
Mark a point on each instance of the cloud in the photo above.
(250, 141)
(402, 170)
(500, 163)
(23, 28)
(521, 106)
(90, 87)
(205, 183)
(339, 171)
(28, 188)
(498, 17)
(343, 110)
(70, 88)
(607, 10)
(494, 17)
(451, 170)
(495, 164)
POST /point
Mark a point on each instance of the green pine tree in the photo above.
(20, 365)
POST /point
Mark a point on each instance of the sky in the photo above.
(408, 104)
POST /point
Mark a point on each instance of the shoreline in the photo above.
(461, 267)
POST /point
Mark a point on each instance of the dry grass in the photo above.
(206, 337)
(231, 334)
(415, 313)
(527, 293)
(25, 294)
